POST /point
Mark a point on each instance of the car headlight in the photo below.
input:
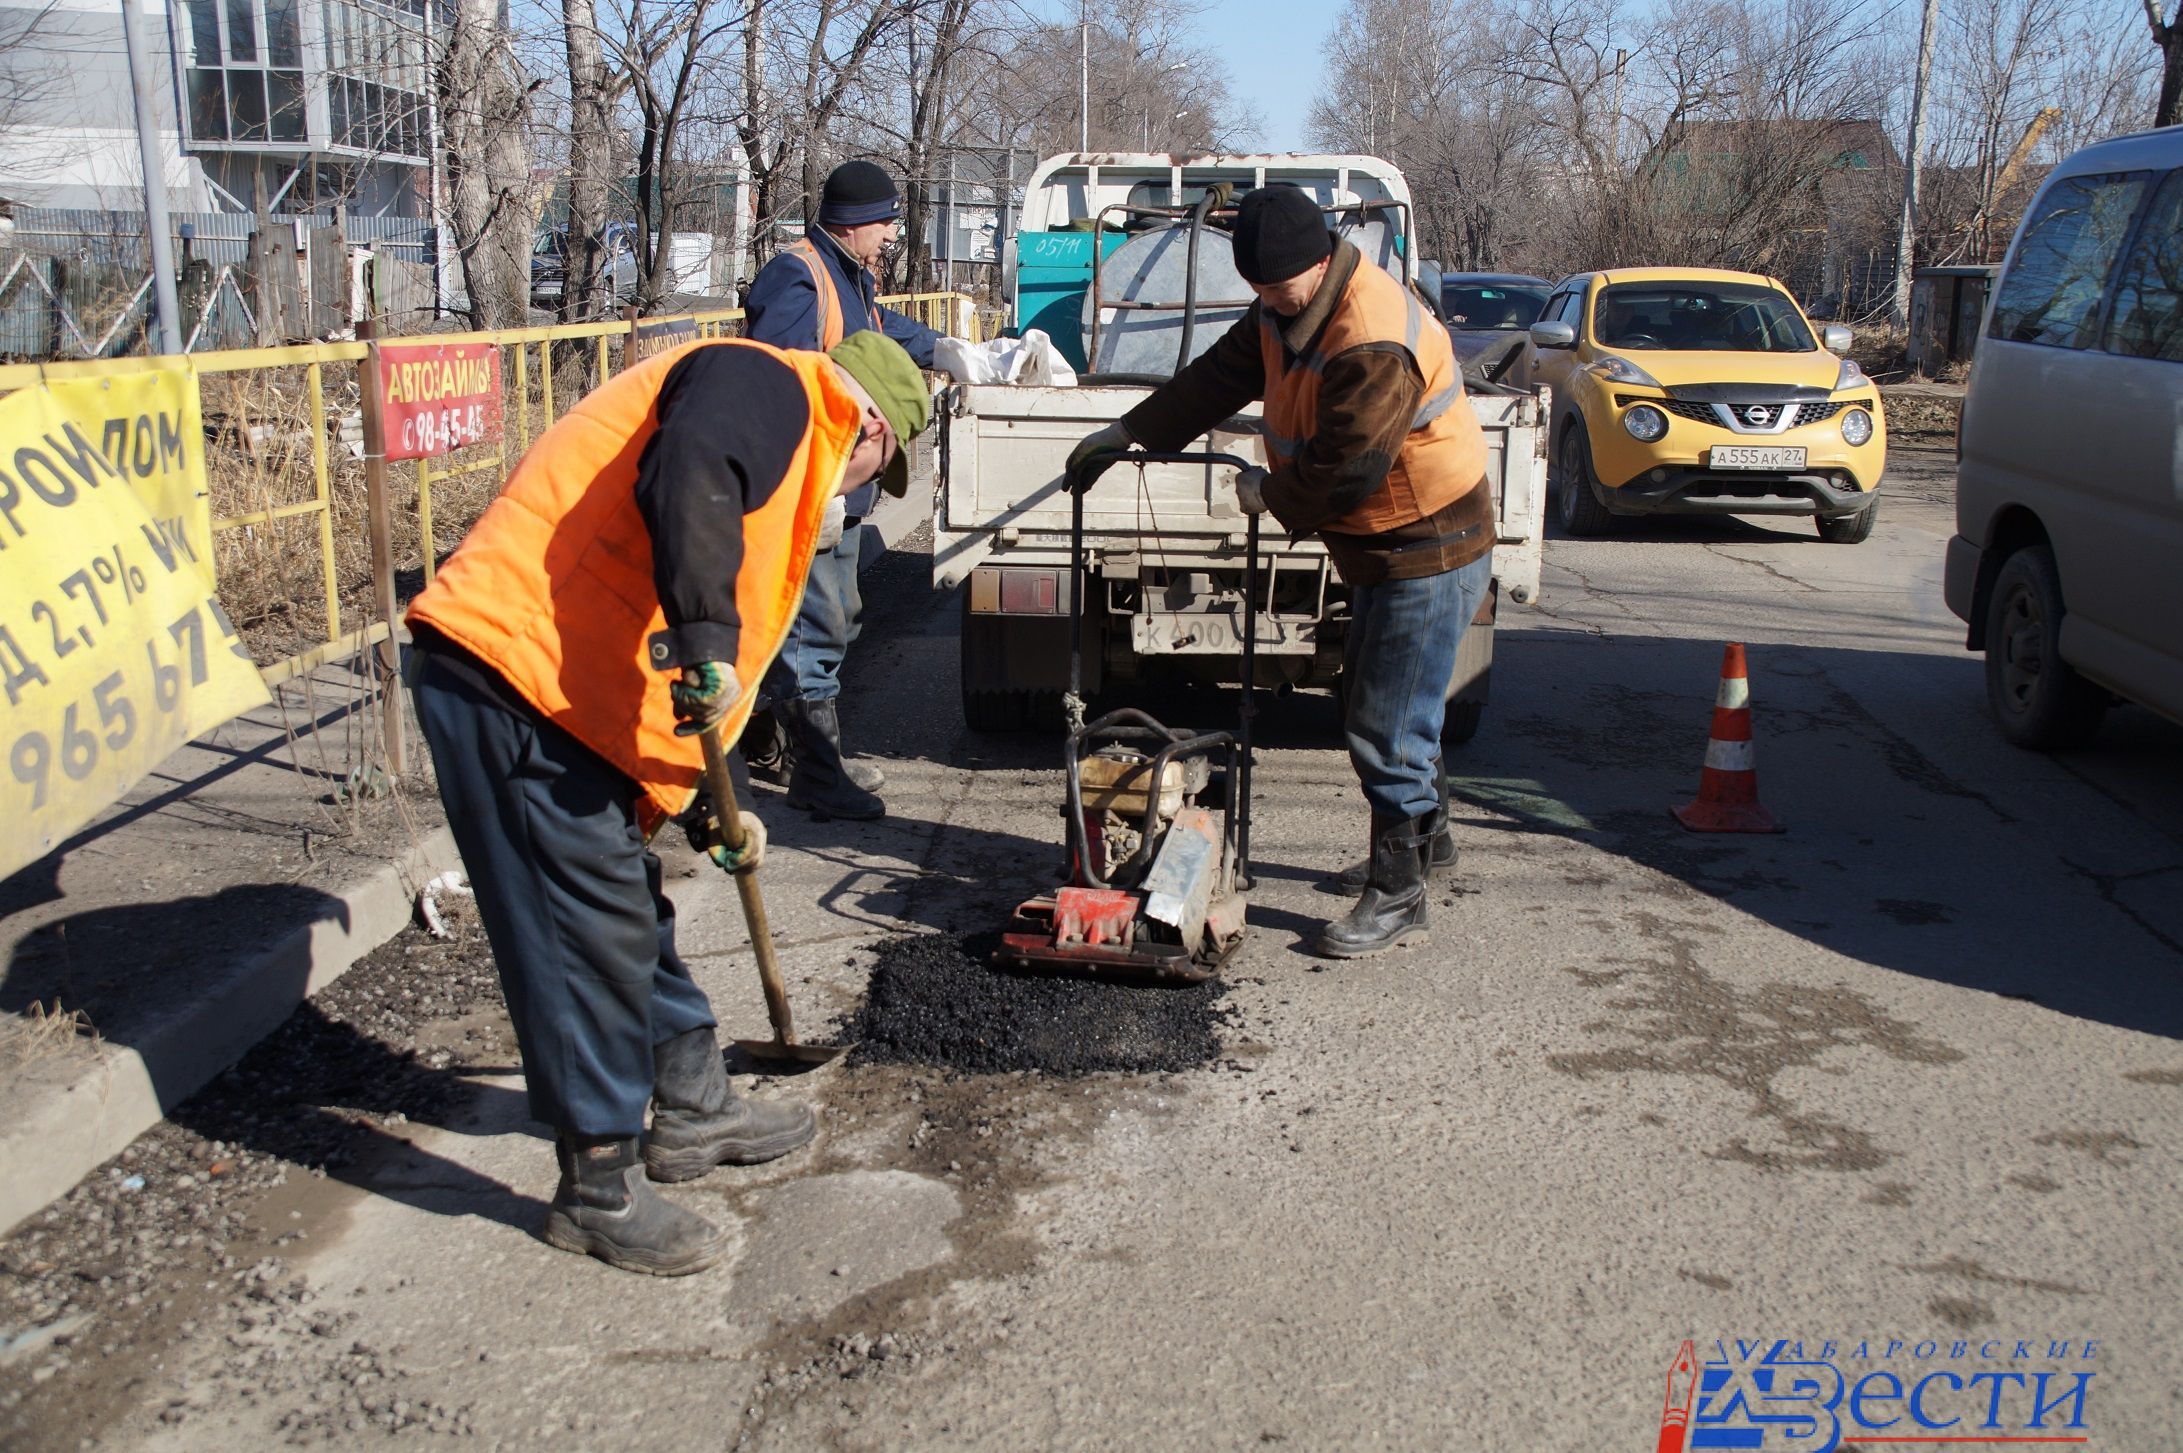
(1645, 423)
(1849, 375)
(1621, 370)
(1856, 427)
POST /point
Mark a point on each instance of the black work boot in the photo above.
(822, 783)
(698, 1121)
(765, 748)
(1440, 852)
(604, 1207)
(1391, 912)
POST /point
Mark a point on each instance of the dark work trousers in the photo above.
(571, 899)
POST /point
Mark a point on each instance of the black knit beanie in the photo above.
(857, 192)
(1280, 232)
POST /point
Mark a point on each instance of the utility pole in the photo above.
(1083, 75)
(1622, 62)
(1906, 235)
(167, 336)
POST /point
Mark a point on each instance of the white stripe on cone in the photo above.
(1735, 692)
(1728, 756)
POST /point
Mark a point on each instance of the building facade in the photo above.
(300, 105)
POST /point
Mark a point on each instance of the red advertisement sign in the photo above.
(439, 397)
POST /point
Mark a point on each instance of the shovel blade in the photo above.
(773, 1056)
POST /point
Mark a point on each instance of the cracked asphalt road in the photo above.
(1909, 1071)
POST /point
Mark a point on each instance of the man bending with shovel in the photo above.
(619, 599)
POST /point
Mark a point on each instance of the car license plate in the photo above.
(1756, 456)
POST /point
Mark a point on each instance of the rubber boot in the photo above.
(604, 1207)
(821, 783)
(1391, 911)
(1440, 852)
(766, 751)
(698, 1121)
(765, 748)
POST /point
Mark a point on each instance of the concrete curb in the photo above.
(69, 1117)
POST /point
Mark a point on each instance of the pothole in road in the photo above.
(936, 999)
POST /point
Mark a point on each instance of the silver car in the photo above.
(2068, 555)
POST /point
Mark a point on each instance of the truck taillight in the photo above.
(1014, 591)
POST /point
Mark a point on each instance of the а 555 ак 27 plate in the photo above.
(1756, 456)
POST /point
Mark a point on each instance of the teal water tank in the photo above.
(1053, 272)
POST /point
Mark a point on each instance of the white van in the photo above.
(2068, 555)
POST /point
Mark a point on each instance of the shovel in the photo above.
(780, 1054)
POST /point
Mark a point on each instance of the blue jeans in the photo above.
(1403, 636)
(831, 617)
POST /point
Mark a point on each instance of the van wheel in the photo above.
(1575, 506)
(1850, 529)
(2038, 699)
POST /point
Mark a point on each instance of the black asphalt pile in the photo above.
(936, 999)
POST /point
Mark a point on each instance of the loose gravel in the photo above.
(188, 1229)
(936, 999)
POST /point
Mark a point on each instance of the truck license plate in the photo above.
(1166, 633)
(1756, 456)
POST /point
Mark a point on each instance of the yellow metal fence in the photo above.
(284, 457)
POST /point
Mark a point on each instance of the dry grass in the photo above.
(259, 458)
(39, 1034)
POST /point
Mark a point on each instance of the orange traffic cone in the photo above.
(1728, 788)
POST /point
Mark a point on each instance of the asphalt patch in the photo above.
(935, 999)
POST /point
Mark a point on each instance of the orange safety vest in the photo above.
(553, 586)
(1444, 456)
(822, 278)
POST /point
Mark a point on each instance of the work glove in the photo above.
(754, 847)
(702, 697)
(830, 528)
(1113, 439)
(1251, 490)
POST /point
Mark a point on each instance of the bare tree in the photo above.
(594, 90)
(485, 105)
(2168, 36)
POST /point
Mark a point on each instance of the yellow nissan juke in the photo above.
(1690, 391)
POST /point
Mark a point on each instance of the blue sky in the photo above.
(1273, 52)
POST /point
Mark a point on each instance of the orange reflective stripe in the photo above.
(822, 281)
(553, 586)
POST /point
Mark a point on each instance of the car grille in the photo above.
(1704, 413)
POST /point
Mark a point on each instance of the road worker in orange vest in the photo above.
(1373, 448)
(812, 295)
(623, 594)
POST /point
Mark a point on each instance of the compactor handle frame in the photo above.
(1239, 794)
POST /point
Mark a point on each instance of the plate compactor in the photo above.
(1158, 821)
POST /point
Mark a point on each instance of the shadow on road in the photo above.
(323, 1091)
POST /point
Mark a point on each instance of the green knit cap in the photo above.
(891, 378)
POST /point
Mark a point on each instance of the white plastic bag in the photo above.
(1031, 360)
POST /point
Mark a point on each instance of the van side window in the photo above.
(2053, 289)
(2148, 321)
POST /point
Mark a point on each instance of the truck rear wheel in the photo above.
(990, 703)
(1461, 722)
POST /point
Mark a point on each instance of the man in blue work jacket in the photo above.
(811, 296)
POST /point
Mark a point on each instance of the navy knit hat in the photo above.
(858, 192)
(1280, 232)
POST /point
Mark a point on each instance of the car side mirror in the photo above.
(1553, 335)
(1836, 339)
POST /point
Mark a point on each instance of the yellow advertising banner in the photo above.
(113, 651)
